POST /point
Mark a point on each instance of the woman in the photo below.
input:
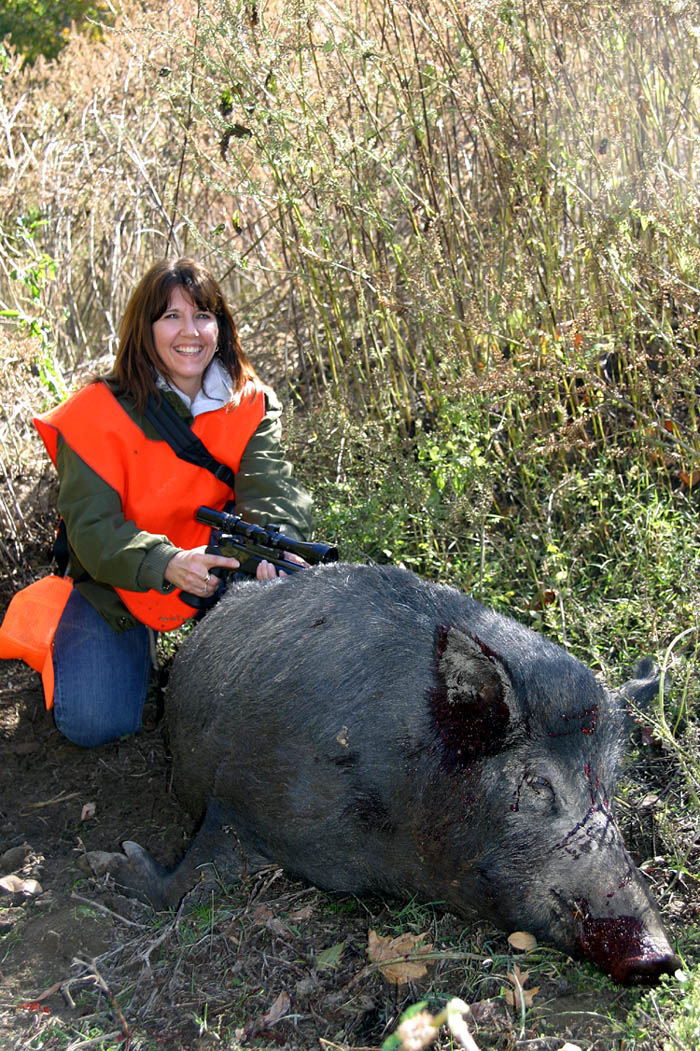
(128, 501)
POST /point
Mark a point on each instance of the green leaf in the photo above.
(330, 957)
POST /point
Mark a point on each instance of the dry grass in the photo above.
(463, 241)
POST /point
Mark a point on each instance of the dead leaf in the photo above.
(256, 1025)
(488, 1012)
(516, 998)
(519, 997)
(88, 812)
(522, 941)
(278, 1010)
(262, 914)
(277, 927)
(299, 915)
(52, 989)
(690, 478)
(400, 953)
(16, 885)
(545, 597)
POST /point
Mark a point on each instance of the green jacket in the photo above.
(113, 551)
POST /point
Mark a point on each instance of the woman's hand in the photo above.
(190, 570)
(266, 570)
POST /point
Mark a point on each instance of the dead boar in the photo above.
(373, 732)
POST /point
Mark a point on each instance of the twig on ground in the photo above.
(102, 985)
(108, 912)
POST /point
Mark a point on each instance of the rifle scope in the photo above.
(267, 536)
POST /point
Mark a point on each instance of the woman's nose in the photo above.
(188, 325)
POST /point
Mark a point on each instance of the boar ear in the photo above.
(638, 693)
(473, 704)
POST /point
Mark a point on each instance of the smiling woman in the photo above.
(128, 501)
(185, 338)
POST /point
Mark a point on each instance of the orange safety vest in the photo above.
(29, 626)
(159, 491)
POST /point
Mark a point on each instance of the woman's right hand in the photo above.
(190, 570)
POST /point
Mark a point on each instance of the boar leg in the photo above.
(214, 854)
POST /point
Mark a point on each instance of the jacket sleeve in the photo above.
(266, 490)
(103, 543)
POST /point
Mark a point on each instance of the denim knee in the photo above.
(101, 676)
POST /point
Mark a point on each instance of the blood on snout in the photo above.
(621, 946)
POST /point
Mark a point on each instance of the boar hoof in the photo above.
(135, 872)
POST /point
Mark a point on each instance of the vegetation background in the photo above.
(462, 243)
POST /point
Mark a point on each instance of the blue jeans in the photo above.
(101, 676)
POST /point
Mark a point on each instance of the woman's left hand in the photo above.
(266, 570)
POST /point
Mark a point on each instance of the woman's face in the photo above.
(185, 339)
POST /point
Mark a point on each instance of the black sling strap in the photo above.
(183, 441)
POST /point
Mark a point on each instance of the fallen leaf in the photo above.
(52, 989)
(488, 1012)
(262, 914)
(278, 1010)
(400, 953)
(256, 1025)
(522, 941)
(88, 812)
(299, 915)
(519, 997)
(277, 927)
(16, 885)
(330, 957)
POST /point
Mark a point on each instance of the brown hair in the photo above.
(134, 369)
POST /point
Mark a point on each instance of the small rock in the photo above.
(13, 858)
(9, 917)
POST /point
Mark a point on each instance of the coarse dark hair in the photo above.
(137, 361)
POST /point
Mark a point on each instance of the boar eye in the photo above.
(540, 784)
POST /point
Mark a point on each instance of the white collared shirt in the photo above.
(215, 391)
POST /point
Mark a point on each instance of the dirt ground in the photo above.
(275, 963)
